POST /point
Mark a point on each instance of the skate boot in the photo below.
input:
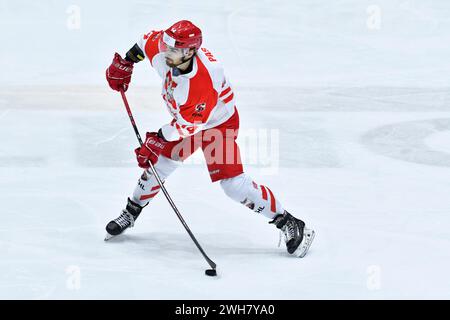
(298, 238)
(124, 221)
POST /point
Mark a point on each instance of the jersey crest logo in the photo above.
(200, 107)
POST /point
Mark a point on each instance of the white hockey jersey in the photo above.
(199, 100)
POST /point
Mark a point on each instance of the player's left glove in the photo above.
(150, 150)
(119, 73)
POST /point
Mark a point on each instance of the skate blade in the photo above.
(108, 236)
(305, 244)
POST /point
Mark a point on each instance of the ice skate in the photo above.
(126, 220)
(298, 239)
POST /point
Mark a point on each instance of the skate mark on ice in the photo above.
(4, 113)
(170, 243)
(22, 161)
(111, 138)
(406, 141)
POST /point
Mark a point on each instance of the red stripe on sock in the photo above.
(148, 196)
(155, 188)
(273, 203)
(264, 193)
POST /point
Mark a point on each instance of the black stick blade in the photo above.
(211, 272)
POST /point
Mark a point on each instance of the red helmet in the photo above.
(183, 34)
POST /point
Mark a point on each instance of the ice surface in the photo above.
(363, 121)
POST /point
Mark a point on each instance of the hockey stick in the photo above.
(152, 168)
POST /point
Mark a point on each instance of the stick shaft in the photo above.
(155, 174)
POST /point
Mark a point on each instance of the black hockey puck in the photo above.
(211, 272)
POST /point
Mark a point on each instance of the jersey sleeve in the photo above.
(148, 43)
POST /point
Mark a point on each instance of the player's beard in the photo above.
(171, 64)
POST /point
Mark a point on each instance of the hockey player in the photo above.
(201, 101)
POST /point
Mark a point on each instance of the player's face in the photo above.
(173, 56)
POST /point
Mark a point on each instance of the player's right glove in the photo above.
(119, 73)
(150, 150)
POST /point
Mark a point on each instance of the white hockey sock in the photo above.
(258, 198)
(147, 187)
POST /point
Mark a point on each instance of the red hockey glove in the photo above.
(119, 73)
(150, 150)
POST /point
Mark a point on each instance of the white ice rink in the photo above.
(355, 92)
